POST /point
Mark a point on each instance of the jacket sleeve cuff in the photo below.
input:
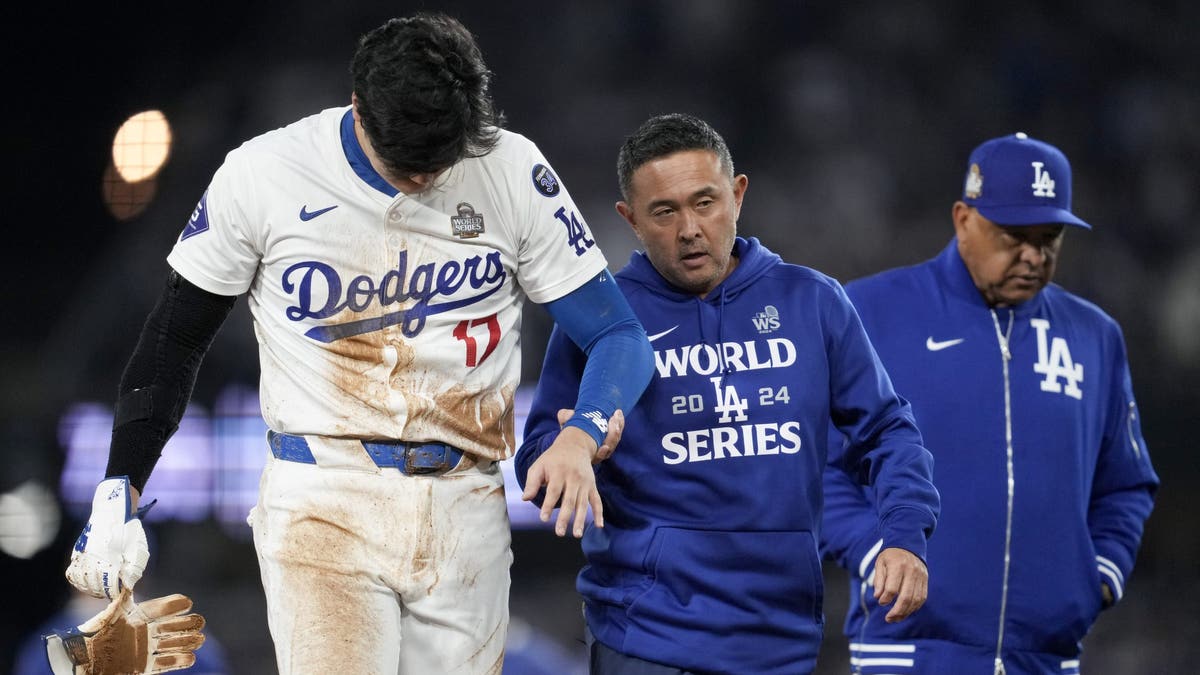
(1111, 576)
(1115, 564)
(909, 529)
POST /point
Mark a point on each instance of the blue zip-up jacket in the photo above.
(1031, 527)
(708, 560)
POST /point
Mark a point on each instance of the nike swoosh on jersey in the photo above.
(654, 337)
(935, 346)
(306, 215)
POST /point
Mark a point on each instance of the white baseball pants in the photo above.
(367, 570)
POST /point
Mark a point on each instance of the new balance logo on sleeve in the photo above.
(597, 419)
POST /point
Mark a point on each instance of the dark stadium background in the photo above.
(852, 119)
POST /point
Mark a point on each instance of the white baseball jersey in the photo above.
(379, 314)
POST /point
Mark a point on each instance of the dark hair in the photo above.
(422, 92)
(665, 135)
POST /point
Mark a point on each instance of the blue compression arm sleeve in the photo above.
(598, 318)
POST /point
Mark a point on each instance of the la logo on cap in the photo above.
(1043, 184)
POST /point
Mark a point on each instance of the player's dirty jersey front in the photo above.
(381, 314)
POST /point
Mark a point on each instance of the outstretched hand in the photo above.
(565, 469)
(900, 578)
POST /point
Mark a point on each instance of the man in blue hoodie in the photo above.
(708, 561)
(1023, 394)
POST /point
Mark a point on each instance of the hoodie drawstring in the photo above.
(725, 368)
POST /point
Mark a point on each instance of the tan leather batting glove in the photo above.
(154, 636)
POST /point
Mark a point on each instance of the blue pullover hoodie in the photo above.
(708, 560)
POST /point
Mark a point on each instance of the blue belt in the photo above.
(413, 459)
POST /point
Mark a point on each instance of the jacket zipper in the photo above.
(1003, 339)
(1137, 449)
(862, 632)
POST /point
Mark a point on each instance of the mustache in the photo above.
(1027, 270)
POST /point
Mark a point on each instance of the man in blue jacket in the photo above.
(708, 561)
(1023, 395)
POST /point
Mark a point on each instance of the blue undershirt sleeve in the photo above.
(598, 318)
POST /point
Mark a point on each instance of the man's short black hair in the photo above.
(422, 92)
(665, 135)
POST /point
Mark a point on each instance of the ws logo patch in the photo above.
(766, 321)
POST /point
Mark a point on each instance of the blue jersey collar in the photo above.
(358, 159)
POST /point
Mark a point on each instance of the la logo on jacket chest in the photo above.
(1054, 361)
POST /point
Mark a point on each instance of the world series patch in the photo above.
(544, 180)
(467, 224)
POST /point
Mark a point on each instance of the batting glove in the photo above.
(111, 552)
(154, 636)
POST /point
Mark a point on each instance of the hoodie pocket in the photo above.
(722, 582)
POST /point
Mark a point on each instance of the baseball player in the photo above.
(1023, 394)
(385, 249)
(708, 562)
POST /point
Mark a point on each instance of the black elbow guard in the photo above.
(158, 405)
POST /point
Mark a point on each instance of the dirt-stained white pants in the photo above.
(367, 570)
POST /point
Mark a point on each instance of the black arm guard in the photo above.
(157, 383)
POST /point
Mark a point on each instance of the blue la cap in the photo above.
(1018, 180)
